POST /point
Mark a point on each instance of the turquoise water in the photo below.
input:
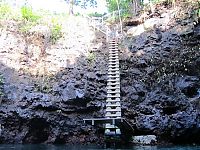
(66, 147)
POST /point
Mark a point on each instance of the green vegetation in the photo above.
(25, 27)
(28, 14)
(91, 57)
(5, 11)
(27, 19)
(124, 5)
(95, 14)
(56, 30)
(43, 84)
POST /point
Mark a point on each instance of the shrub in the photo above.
(91, 57)
(28, 14)
(56, 31)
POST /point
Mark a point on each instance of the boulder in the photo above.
(134, 31)
(150, 23)
(145, 139)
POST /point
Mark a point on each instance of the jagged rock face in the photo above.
(160, 90)
(50, 108)
(165, 65)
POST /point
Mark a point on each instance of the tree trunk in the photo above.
(136, 7)
(71, 7)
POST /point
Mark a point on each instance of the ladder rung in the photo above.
(113, 87)
(117, 114)
(114, 76)
(113, 60)
(113, 54)
(113, 69)
(108, 101)
(116, 104)
(113, 48)
(113, 79)
(113, 63)
(109, 109)
(113, 99)
(113, 72)
(113, 83)
(113, 96)
(113, 91)
(113, 51)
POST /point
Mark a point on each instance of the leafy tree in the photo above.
(126, 6)
(82, 3)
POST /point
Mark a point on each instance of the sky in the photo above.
(60, 5)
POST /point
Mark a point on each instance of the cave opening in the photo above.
(38, 131)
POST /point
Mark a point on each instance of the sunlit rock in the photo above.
(145, 140)
(134, 31)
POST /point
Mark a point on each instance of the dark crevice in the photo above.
(190, 92)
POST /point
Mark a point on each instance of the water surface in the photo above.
(92, 147)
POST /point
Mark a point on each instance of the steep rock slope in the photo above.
(48, 89)
(161, 75)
